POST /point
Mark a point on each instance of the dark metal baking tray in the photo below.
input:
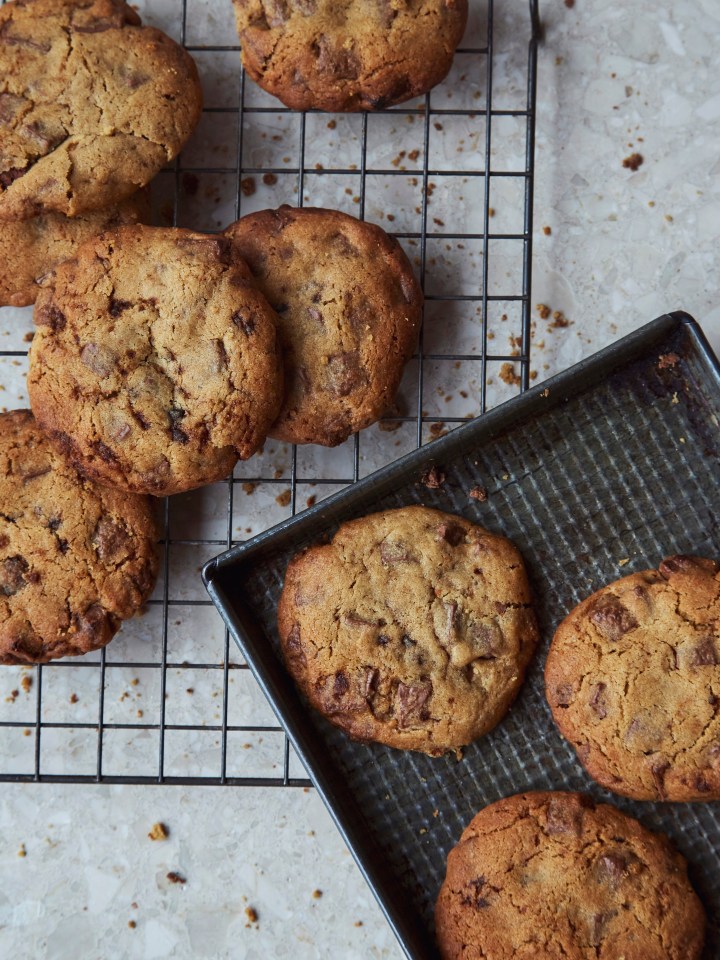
(598, 472)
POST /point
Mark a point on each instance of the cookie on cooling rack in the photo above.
(92, 105)
(76, 558)
(30, 249)
(357, 55)
(554, 875)
(633, 681)
(350, 311)
(155, 364)
(411, 628)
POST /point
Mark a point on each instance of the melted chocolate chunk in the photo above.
(611, 618)
(411, 701)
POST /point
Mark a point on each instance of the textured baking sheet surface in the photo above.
(606, 483)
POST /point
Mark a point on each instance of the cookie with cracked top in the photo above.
(76, 559)
(633, 681)
(412, 628)
(351, 55)
(92, 105)
(155, 364)
(31, 249)
(350, 311)
(554, 875)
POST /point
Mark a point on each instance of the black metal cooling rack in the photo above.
(117, 716)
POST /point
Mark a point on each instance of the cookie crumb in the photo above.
(667, 361)
(26, 683)
(159, 831)
(74, 698)
(174, 877)
(545, 393)
(248, 187)
(28, 338)
(358, 923)
(433, 478)
(332, 124)
(269, 179)
(252, 915)
(249, 488)
(283, 499)
(621, 563)
(543, 311)
(478, 493)
(547, 231)
(675, 398)
(132, 924)
(317, 894)
(508, 375)
(559, 321)
(311, 501)
(22, 852)
(633, 162)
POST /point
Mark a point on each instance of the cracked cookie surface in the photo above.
(76, 558)
(30, 249)
(155, 364)
(351, 54)
(92, 105)
(633, 681)
(554, 875)
(411, 628)
(350, 311)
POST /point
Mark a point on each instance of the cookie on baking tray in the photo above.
(554, 875)
(30, 249)
(411, 628)
(92, 105)
(350, 311)
(633, 681)
(155, 364)
(76, 558)
(356, 55)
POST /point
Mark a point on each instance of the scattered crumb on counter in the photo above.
(438, 430)
(283, 499)
(621, 563)
(543, 311)
(249, 488)
(633, 162)
(132, 924)
(174, 877)
(311, 501)
(14, 694)
(28, 338)
(22, 852)
(190, 690)
(134, 682)
(332, 124)
(547, 231)
(159, 831)
(491, 211)
(433, 478)
(478, 493)
(358, 923)
(26, 683)
(269, 179)
(317, 894)
(559, 321)
(248, 187)
(508, 375)
(252, 915)
(74, 698)
(26, 732)
(669, 217)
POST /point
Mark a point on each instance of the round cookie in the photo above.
(155, 364)
(30, 249)
(92, 105)
(411, 628)
(76, 558)
(553, 875)
(356, 55)
(633, 681)
(350, 310)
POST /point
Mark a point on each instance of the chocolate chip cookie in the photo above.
(355, 55)
(92, 105)
(76, 559)
(350, 311)
(633, 681)
(554, 875)
(411, 628)
(30, 249)
(155, 364)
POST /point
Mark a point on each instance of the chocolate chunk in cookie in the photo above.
(555, 875)
(633, 681)
(140, 373)
(349, 309)
(76, 558)
(396, 634)
(92, 105)
(356, 55)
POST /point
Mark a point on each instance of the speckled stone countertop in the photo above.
(80, 878)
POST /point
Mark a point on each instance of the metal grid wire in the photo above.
(169, 700)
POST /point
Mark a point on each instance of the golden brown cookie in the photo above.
(411, 628)
(76, 559)
(350, 311)
(633, 681)
(30, 249)
(92, 105)
(352, 55)
(155, 364)
(557, 877)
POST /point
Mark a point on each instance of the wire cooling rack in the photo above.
(451, 175)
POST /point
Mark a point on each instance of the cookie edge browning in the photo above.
(506, 811)
(97, 468)
(138, 512)
(395, 259)
(338, 98)
(678, 792)
(362, 729)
